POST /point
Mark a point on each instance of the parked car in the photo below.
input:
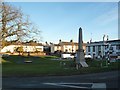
(66, 55)
(88, 57)
(118, 58)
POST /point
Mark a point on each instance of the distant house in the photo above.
(47, 48)
(102, 48)
(68, 47)
(26, 48)
(0, 44)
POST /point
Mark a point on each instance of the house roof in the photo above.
(34, 44)
(57, 45)
(101, 42)
(71, 43)
(28, 44)
(68, 43)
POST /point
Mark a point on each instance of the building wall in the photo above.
(102, 49)
(32, 48)
(57, 48)
(52, 48)
(66, 48)
(11, 48)
(98, 50)
(84, 48)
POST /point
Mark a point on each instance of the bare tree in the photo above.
(15, 25)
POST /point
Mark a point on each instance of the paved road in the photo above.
(88, 81)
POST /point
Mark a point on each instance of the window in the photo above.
(111, 48)
(66, 50)
(118, 53)
(93, 48)
(88, 48)
(99, 48)
(106, 46)
(110, 52)
(118, 47)
(57, 47)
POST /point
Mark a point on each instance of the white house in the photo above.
(9, 48)
(26, 48)
(69, 47)
(101, 48)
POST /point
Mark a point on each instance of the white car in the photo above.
(118, 58)
(67, 56)
(88, 56)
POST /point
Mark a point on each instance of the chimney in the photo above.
(60, 41)
(107, 37)
(71, 40)
(104, 37)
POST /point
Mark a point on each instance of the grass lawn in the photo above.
(45, 65)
